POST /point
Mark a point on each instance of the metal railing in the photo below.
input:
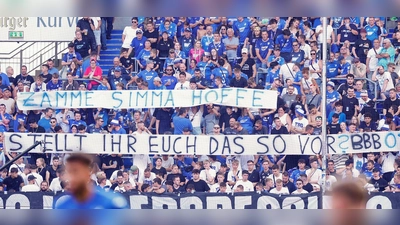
(366, 81)
(32, 54)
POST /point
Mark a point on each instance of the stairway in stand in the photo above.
(113, 50)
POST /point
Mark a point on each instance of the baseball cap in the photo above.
(188, 30)
(31, 177)
(139, 32)
(376, 170)
(186, 129)
(134, 168)
(300, 111)
(245, 50)
(157, 79)
(206, 53)
(177, 61)
(335, 115)
(114, 122)
(330, 83)
(6, 89)
(364, 93)
(117, 69)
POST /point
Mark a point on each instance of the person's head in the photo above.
(235, 164)
(350, 91)
(93, 64)
(177, 181)
(196, 174)
(245, 175)
(275, 170)
(24, 70)
(387, 43)
(343, 126)
(45, 68)
(313, 54)
(348, 195)
(278, 184)
(305, 72)
(314, 163)
(135, 21)
(197, 73)
(78, 170)
(14, 172)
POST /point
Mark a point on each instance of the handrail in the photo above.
(366, 79)
(15, 49)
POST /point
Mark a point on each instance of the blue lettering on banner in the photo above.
(224, 94)
(346, 137)
(28, 99)
(393, 140)
(73, 96)
(144, 96)
(170, 98)
(211, 100)
(45, 98)
(154, 95)
(88, 97)
(117, 99)
(256, 98)
(199, 97)
(238, 96)
(59, 96)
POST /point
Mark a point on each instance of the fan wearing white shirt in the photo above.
(147, 178)
(279, 189)
(183, 84)
(299, 186)
(32, 186)
(234, 174)
(39, 178)
(220, 186)
(208, 174)
(276, 175)
(247, 185)
(314, 174)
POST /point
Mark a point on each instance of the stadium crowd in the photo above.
(282, 54)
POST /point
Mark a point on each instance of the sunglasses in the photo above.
(312, 54)
(168, 70)
(295, 45)
(298, 183)
(216, 128)
(52, 121)
(134, 21)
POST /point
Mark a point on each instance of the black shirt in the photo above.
(164, 116)
(225, 117)
(333, 128)
(39, 129)
(282, 130)
(308, 187)
(153, 34)
(164, 47)
(46, 78)
(241, 83)
(247, 67)
(157, 62)
(82, 47)
(52, 172)
(13, 183)
(381, 183)
(171, 177)
(254, 177)
(264, 175)
(362, 48)
(264, 130)
(290, 186)
(349, 106)
(180, 189)
(84, 24)
(199, 186)
(162, 170)
(388, 103)
(110, 160)
(27, 80)
(126, 62)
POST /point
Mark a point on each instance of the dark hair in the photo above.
(350, 75)
(286, 32)
(275, 167)
(157, 181)
(273, 21)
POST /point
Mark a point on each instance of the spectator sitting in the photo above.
(104, 86)
(31, 186)
(54, 84)
(38, 86)
(299, 123)
(386, 123)
(94, 73)
(70, 84)
(239, 80)
(259, 128)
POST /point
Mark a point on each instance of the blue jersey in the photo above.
(297, 57)
(285, 44)
(206, 41)
(45, 123)
(205, 69)
(372, 32)
(126, 118)
(168, 62)
(8, 117)
(54, 86)
(332, 69)
(143, 56)
(98, 200)
(296, 174)
(336, 22)
(171, 31)
(223, 73)
(69, 56)
(120, 131)
(20, 117)
(297, 78)
(187, 44)
(102, 114)
(102, 87)
(332, 97)
(219, 47)
(148, 76)
(185, 167)
(269, 79)
(138, 45)
(242, 29)
(345, 68)
(171, 79)
(246, 123)
(180, 124)
(264, 47)
(77, 123)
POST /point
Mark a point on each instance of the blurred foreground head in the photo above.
(349, 195)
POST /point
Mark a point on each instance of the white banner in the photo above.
(38, 28)
(240, 97)
(204, 145)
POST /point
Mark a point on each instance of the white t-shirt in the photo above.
(195, 118)
(130, 34)
(382, 78)
(296, 192)
(373, 62)
(30, 188)
(329, 30)
(168, 163)
(286, 71)
(300, 123)
(315, 176)
(283, 191)
(215, 188)
(231, 176)
(184, 86)
(359, 162)
(387, 163)
(274, 178)
(39, 178)
(307, 49)
(247, 185)
(329, 182)
(9, 103)
(141, 161)
(150, 179)
(55, 185)
(215, 165)
(95, 21)
(59, 116)
(204, 176)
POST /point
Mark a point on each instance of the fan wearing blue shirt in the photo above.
(207, 39)
(194, 24)
(20, 118)
(168, 27)
(373, 30)
(72, 55)
(344, 67)
(187, 41)
(45, 120)
(221, 72)
(217, 44)
(242, 29)
(276, 57)
(5, 119)
(285, 43)
(137, 44)
(54, 84)
(206, 66)
(76, 121)
(116, 128)
(82, 193)
(332, 67)
(272, 74)
(180, 122)
(297, 54)
(332, 97)
(148, 75)
(168, 80)
(264, 47)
